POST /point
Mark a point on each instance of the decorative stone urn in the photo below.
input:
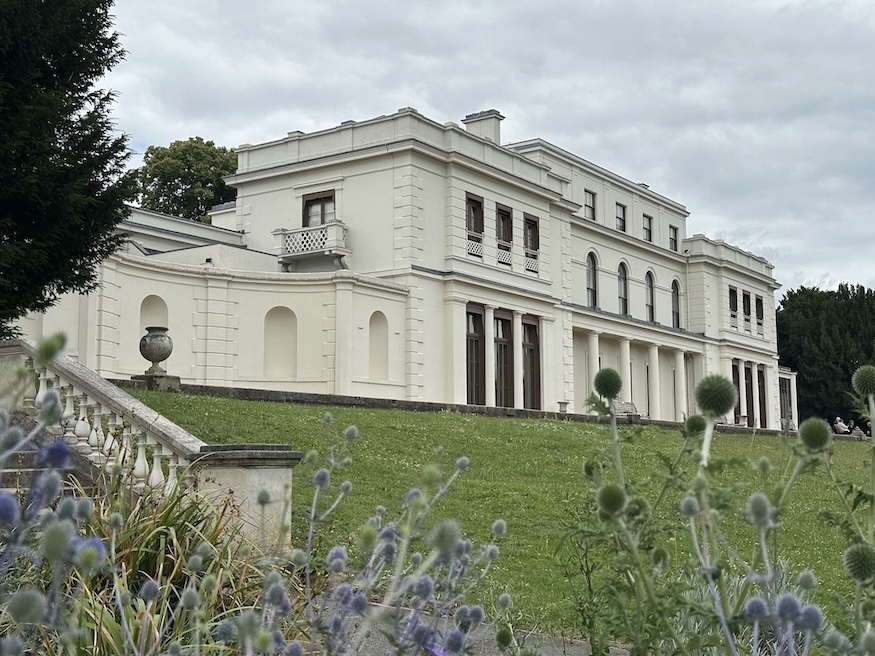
(156, 346)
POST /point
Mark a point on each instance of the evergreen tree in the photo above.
(62, 162)
(185, 178)
(825, 336)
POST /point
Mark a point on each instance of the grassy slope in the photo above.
(526, 471)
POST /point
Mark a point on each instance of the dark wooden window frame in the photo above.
(474, 213)
(621, 217)
(531, 379)
(475, 371)
(319, 198)
(589, 209)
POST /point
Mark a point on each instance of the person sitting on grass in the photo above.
(841, 427)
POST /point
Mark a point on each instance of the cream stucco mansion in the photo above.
(402, 258)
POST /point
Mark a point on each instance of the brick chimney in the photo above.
(486, 124)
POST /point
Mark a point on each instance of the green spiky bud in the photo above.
(445, 536)
(815, 434)
(863, 380)
(763, 465)
(690, 507)
(716, 395)
(611, 499)
(694, 425)
(659, 557)
(837, 641)
(190, 599)
(807, 580)
(27, 606)
(608, 383)
(49, 347)
(867, 642)
(504, 639)
(859, 560)
(759, 510)
(56, 544)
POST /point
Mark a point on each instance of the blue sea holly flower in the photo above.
(89, 553)
(454, 643)
(359, 603)
(149, 591)
(294, 648)
(423, 587)
(56, 455)
(343, 594)
(810, 618)
(788, 607)
(321, 479)
(756, 609)
(10, 510)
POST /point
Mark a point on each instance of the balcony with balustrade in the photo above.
(327, 241)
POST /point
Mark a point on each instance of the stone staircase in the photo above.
(106, 428)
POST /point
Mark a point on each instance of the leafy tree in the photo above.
(61, 161)
(825, 336)
(185, 178)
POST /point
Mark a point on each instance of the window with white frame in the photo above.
(650, 310)
(589, 205)
(621, 217)
(673, 238)
(592, 288)
(623, 289)
(675, 304)
(648, 228)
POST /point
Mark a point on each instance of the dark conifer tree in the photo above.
(62, 162)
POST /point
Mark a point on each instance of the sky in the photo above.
(757, 115)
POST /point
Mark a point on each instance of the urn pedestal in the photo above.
(156, 346)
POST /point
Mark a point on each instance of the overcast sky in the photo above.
(757, 115)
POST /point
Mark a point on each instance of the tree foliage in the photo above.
(185, 178)
(62, 162)
(825, 336)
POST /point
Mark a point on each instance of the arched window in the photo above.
(650, 312)
(280, 343)
(592, 287)
(153, 312)
(378, 347)
(675, 304)
(623, 289)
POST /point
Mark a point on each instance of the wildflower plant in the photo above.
(730, 600)
(141, 573)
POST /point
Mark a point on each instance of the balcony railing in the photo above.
(475, 244)
(532, 263)
(325, 239)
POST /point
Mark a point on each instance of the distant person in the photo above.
(841, 427)
(851, 426)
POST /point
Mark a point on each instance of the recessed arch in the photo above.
(675, 304)
(623, 288)
(153, 312)
(378, 347)
(280, 343)
(592, 280)
(649, 297)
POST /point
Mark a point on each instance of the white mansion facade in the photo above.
(402, 258)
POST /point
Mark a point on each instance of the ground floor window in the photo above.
(475, 356)
(503, 361)
(531, 364)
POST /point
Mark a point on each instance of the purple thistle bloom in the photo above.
(359, 603)
(756, 609)
(423, 587)
(343, 594)
(454, 642)
(322, 478)
(810, 618)
(294, 648)
(787, 607)
(81, 544)
(9, 508)
(56, 455)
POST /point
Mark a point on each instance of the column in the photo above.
(794, 413)
(680, 382)
(456, 332)
(489, 353)
(625, 369)
(653, 382)
(742, 389)
(593, 353)
(755, 387)
(517, 359)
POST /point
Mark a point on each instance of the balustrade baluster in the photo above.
(29, 395)
(67, 419)
(94, 442)
(43, 388)
(156, 476)
(172, 479)
(140, 471)
(82, 429)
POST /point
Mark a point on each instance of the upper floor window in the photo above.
(589, 205)
(474, 212)
(745, 309)
(623, 289)
(532, 242)
(592, 289)
(648, 228)
(675, 304)
(673, 238)
(649, 297)
(733, 307)
(621, 217)
(318, 208)
(503, 226)
(760, 315)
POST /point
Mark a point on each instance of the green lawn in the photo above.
(523, 470)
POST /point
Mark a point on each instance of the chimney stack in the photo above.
(486, 124)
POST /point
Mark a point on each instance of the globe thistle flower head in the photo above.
(10, 438)
(810, 618)
(504, 601)
(756, 610)
(343, 594)
(116, 522)
(298, 558)
(445, 536)
(499, 527)
(321, 479)
(716, 395)
(611, 499)
(294, 648)
(504, 639)
(859, 561)
(278, 598)
(209, 584)
(837, 641)
(863, 380)
(423, 587)
(807, 580)
(759, 510)
(787, 607)
(815, 434)
(659, 557)
(56, 542)
(327, 418)
(337, 559)
(694, 425)
(345, 487)
(463, 463)
(10, 511)
(149, 591)
(608, 383)
(359, 603)
(311, 457)
(195, 563)
(454, 643)
(351, 433)
(56, 455)
(89, 554)
(592, 470)
(11, 645)
(263, 498)
(84, 509)
(248, 624)
(27, 606)
(50, 485)
(51, 410)
(66, 508)
(225, 631)
(690, 506)
(491, 552)
(190, 599)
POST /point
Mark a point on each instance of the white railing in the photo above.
(322, 238)
(475, 244)
(504, 252)
(532, 260)
(104, 424)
